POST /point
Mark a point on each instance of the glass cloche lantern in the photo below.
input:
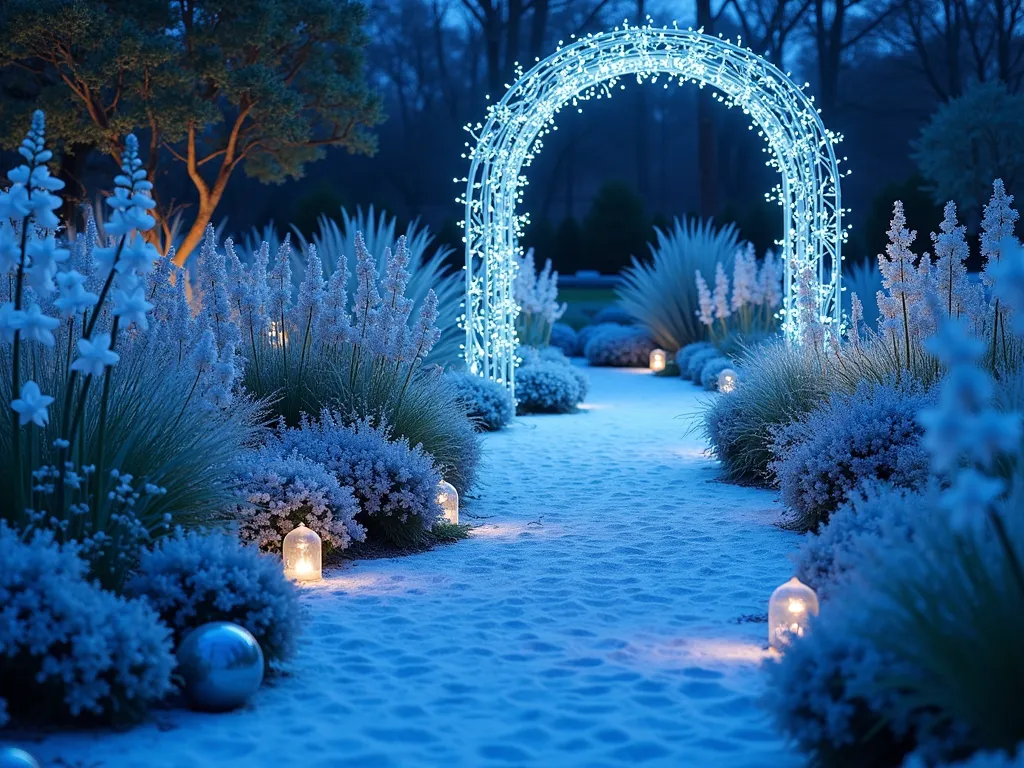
(448, 498)
(302, 554)
(658, 358)
(727, 380)
(789, 612)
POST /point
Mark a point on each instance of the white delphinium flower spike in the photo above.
(744, 277)
(31, 405)
(721, 295)
(131, 306)
(73, 298)
(706, 313)
(43, 258)
(996, 225)
(812, 331)
(425, 333)
(29, 193)
(35, 326)
(367, 298)
(951, 253)
(770, 280)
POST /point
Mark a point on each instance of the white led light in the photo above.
(799, 146)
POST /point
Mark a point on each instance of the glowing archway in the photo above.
(798, 144)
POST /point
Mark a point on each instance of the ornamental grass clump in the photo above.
(123, 412)
(847, 441)
(624, 346)
(778, 383)
(70, 650)
(661, 294)
(395, 484)
(357, 355)
(194, 578)
(487, 402)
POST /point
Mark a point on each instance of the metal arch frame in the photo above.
(799, 146)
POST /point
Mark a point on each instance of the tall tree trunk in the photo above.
(72, 173)
(707, 144)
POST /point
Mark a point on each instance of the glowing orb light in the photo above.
(727, 379)
(448, 498)
(789, 612)
(798, 146)
(657, 360)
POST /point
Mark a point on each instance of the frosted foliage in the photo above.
(997, 224)
(564, 338)
(536, 293)
(503, 147)
(547, 387)
(684, 355)
(619, 345)
(69, 649)
(194, 578)
(388, 478)
(875, 515)
(871, 435)
(488, 403)
(697, 361)
(279, 489)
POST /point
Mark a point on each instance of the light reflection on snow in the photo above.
(510, 530)
(594, 406)
(682, 652)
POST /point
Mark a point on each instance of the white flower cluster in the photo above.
(756, 293)
(536, 293)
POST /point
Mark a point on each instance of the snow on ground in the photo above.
(598, 617)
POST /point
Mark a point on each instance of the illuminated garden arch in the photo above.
(798, 145)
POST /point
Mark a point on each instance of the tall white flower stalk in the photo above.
(899, 270)
(536, 293)
(756, 294)
(997, 228)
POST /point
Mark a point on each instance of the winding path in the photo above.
(599, 616)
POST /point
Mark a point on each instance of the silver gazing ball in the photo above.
(221, 664)
(12, 757)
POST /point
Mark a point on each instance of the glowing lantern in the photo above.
(657, 360)
(302, 559)
(727, 380)
(448, 498)
(789, 612)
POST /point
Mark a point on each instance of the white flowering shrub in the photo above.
(870, 436)
(875, 516)
(122, 412)
(362, 355)
(627, 346)
(394, 484)
(68, 649)
(194, 578)
(709, 372)
(278, 489)
(564, 337)
(547, 387)
(536, 293)
(756, 295)
(529, 356)
(487, 402)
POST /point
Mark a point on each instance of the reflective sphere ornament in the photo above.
(658, 357)
(12, 757)
(448, 498)
(727, 380)
(222, 666)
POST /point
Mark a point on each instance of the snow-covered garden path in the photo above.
(599, 616)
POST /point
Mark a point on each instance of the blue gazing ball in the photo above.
(221, 665)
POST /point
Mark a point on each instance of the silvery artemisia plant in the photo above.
(100, 438)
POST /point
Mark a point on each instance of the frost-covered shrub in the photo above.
(698, 360)
(280, 488)
(69, 649)
(620, 345)
(487, 402)
(547, 387)
(586, 333)
(823, 691)
(777, 384)
(533, 356)
(564, 337)
(685, 354)
(614, 313)
(193, 578)
(875, 516)
(536, 293)
(709, 373)
(848, 440)
(394, 484)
